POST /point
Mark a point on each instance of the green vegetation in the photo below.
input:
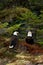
(3, 25)
(13, 28)
(23, 15)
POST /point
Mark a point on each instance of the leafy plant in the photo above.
(3, 25)
(13, 28)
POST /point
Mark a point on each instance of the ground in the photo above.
(20, 56)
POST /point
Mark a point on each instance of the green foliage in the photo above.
(3, 25)
(13, 28)
(19, 12)
(1, 5)
(41, 43)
